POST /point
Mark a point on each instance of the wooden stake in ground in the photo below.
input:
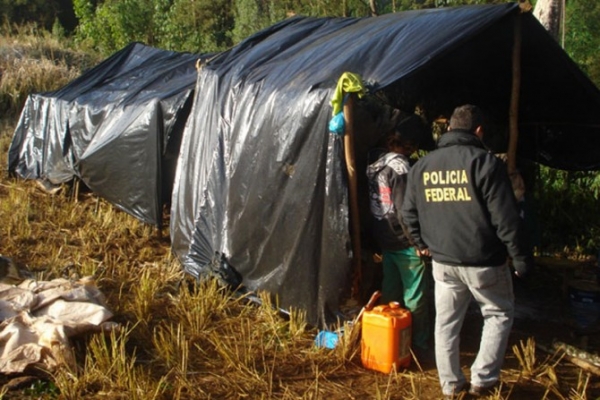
(514, 100)
(353, 188)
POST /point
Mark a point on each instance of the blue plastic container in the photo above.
(327, 339)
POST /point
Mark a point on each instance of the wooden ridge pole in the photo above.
(353, 188)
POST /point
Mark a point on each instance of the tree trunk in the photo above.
(373, 4)
(550, 14)
(513, 122)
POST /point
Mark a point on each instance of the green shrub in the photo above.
(567, 207)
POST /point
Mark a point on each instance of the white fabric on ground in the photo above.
(38, 318)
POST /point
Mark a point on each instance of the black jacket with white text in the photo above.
(459, 203)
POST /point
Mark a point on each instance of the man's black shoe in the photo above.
(478, 391)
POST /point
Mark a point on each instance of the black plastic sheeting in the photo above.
(117, 128)
(257, 184)
(260, 196)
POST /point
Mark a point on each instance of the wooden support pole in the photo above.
(353, 188)
(514, 99)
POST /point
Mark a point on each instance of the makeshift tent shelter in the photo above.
(117, 128)
(260, 194)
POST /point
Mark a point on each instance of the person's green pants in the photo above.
(404, 281)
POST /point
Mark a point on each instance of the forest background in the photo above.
(564, 202)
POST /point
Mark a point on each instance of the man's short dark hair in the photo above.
(467, 118)
(409, 131)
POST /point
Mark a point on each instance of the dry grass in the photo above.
(33, 61)
(181, 339)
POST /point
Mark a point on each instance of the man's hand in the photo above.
(523, 267)
(423, 252)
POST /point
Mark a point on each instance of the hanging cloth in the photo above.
(348, 83)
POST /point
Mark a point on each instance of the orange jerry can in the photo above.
(386, 337)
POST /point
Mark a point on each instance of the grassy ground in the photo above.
(181, 340)
(186, 340)
(178, 340)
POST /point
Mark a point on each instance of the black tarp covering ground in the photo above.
(117, 128)
(260, 193)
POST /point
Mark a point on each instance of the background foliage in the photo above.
(204, 26)
(564, 203)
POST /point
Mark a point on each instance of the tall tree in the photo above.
(373, 5)
(582, 35)
(183, 25)
(195, 25)
(254, 15)
(550, 13)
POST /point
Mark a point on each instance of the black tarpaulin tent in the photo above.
(260, 194)
(116, 128)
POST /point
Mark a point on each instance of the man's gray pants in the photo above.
(492, 289)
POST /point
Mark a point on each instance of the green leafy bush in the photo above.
(568, 211)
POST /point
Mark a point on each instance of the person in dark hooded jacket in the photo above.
(404, 277)
(460, 208)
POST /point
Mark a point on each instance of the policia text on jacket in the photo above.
(446, 193)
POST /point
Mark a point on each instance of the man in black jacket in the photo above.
(459, 208)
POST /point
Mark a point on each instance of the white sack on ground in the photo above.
(38, 318)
